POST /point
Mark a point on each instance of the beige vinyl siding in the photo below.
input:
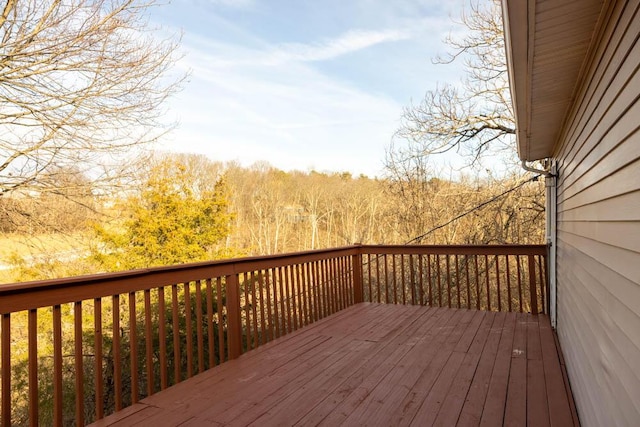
(598, 264)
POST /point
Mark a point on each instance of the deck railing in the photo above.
(74, 350)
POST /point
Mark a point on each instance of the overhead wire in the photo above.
(419, 238)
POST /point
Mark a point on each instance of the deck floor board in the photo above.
(377, 364)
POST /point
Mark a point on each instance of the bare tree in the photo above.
(473, 118)
(81, 86)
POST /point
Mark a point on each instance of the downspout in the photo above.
(549, 173)
(551, 218)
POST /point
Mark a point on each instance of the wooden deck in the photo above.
(377, 364)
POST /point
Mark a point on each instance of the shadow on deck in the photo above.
(380, 364)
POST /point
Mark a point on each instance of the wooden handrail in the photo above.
(130, 334)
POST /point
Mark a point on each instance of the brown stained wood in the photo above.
(518, 269)
(133, 348)
(558, 398)
(210, 333)
(78, 363)
(220, 313)
(532, 285)
(486, 276)
(283, 311)
(368, 264)
(276, 303)
(267, 283)
(542, 284)
(403, 282)
(498, 292)
(438, 275)
(33, 367)
(394, 278)
(515, 412)
(335, 293)
(494, 405)
(386, 281)
(162, 339)
(97, 367)
(421, 279)
(317, 291)
(537, 404)
(375, 364)
(457, 281)
(508, 277)
(284, 277)
(302, 304)
(25, 296)
(117, 360)
(177, 376)
(6, 369)
(148, 341)
(234, 319)
(199, 330)
(189, 328)
(251, 279)
(448, 284)
(477, 282)
(468, 281)
(378, 280)
(474, 403)
(57, 366)
(429, 281)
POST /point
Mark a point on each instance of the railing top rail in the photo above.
(456, 249)
(45, 293)
(30, 295)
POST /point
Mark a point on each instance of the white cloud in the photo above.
(346, 43)
(288, 114)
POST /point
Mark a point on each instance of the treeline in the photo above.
(183, 208)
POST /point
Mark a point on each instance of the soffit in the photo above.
(547, 42)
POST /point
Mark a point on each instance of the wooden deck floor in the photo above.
(376, 364)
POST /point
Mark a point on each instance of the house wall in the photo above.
(598, 229)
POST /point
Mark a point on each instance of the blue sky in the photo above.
(303, 84)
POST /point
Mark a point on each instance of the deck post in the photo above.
(358, 289)
(234, 327)
(532, 285)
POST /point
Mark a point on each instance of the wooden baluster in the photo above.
(276, 302)
(117, 361)
(97, 331)
(486, 273)
(247, 309)
(263, 322)
(519, 282)
(133, 344)
(220, 310)
(177, 375)
(33, 367)
(421, 277)
(234, 327)
(189, 328)
(532, 285)
(466, 272)
(162, 339)
(506, 257)
(148, 341)
(199, 330)
(498, 283)
(477, 282)
(267, 284)
(6, 372)
(78, 363)
(448, 264)
(210, 333)
(251, 280)
(457, 271)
